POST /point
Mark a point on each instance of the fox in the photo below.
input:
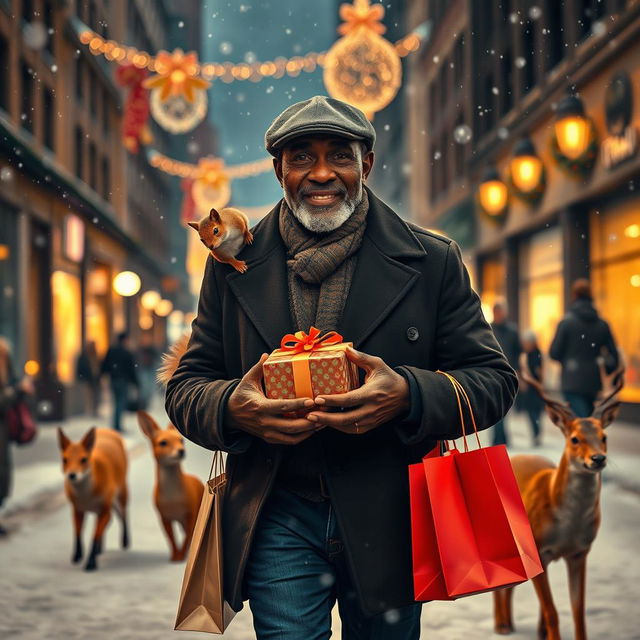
(177, 495)
(95, 471)
(224, 233)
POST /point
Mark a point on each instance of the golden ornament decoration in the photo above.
(362, 68)
(211, 186)
(176, 114)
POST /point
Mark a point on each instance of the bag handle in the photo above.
(460, 391)
(217, 471)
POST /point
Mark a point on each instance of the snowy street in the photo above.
(134, 593)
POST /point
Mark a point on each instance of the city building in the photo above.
(75, 207)
(540, 185)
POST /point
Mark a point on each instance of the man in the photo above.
(317, 508)
(507, 336)
(582, 337)
(120, 365)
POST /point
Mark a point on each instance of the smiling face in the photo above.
(321, 177)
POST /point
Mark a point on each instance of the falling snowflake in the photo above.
(437, 155)
(520, 62)
(436, 59)
(503, 133)
(598, 28)
(6, 174)
(495, 91)
(462, 134)
(386, 127)
(392, 616)
(181, 24)
(535, 12)
(269, 89)
(35, 35)
(226, 48)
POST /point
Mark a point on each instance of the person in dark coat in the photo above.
(88, 375)
(317, 508)
(582, 337)
(120, 365)
(530, 400)
(11, 392)
(506, 334)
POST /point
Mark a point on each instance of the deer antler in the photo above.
(612, 382)
(554, 406)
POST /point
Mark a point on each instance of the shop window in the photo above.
(27, 10)
(26, 106)
(615, 273)
(67, 323)
(433, 102)
(93, 94)
(47, 15)
(79, 79)
(4, 73)
(458, 57)
(97, 310)
(528, 53)
(492, 284)
(49, 119)
(541, 290)
(9, 275)
(507, 82)
(105, 112)
(106, 179)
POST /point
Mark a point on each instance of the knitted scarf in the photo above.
(320, 267)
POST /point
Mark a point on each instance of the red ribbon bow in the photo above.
(300, 341)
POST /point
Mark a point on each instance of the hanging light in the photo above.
(572, 127)
(149, 299)
(164, 308)
(526, 170)
(493, 194)
(126, 283)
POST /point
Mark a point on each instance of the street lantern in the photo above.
(164, 308)
(527, 171)
(572, 127)
(126, 284)
(149, 299)
(493, 194)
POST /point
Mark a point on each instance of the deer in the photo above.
(563, 505)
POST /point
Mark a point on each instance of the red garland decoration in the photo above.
(136, 109)
(188, 211)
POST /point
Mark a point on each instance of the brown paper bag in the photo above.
(202, 605)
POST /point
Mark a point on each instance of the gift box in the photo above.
(309, 365)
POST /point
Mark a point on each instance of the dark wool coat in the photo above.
(410, 303)
(581, 337)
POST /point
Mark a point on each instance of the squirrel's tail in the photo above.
(171, 360)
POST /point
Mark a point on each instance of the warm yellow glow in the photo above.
(635, 280)
(126, 283)
(572, 134)
(146, 322)
(4, 251)
(493, 196)
(67, 322)
(31, 368)
(150, 299)
(74, 238)
(178, 76)
(632, 231)
(526, 172)
(189, 317)
(176, 317)
(164, 308)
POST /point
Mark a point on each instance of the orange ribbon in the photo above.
(299, 347)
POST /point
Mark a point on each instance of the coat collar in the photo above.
(379, 282)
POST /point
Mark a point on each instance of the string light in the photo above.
(225, 71)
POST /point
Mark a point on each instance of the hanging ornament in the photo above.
(362, 68)
(178, 94)
(211, 186)
(135, 129)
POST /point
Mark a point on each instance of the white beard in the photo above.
(310, 219)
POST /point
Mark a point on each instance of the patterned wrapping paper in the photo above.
(330, 371)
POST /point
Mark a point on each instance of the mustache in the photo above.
(303, 191)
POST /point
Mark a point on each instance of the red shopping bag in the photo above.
(471, 533)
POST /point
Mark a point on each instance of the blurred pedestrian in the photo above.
(12, 391)
(148, 358)
(120, 365)
(530, 400)
(581, 338)
(88, 375)
(507, 335)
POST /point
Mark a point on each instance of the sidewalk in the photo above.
(37, 475)
(37, 472)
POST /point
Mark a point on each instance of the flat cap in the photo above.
(319, 114)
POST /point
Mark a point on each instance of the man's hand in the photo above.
(383, 396)
(251, 411)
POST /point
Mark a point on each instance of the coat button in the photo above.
(413, 334)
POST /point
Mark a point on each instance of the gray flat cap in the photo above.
(319, 115)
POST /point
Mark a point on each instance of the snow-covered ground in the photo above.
(134, 593)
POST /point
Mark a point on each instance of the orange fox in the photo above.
(95, 472)
(177, 495)
(224, 233)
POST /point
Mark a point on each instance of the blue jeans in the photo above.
(581, 403)
(296, 571)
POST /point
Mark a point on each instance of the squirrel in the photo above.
(224, 233)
